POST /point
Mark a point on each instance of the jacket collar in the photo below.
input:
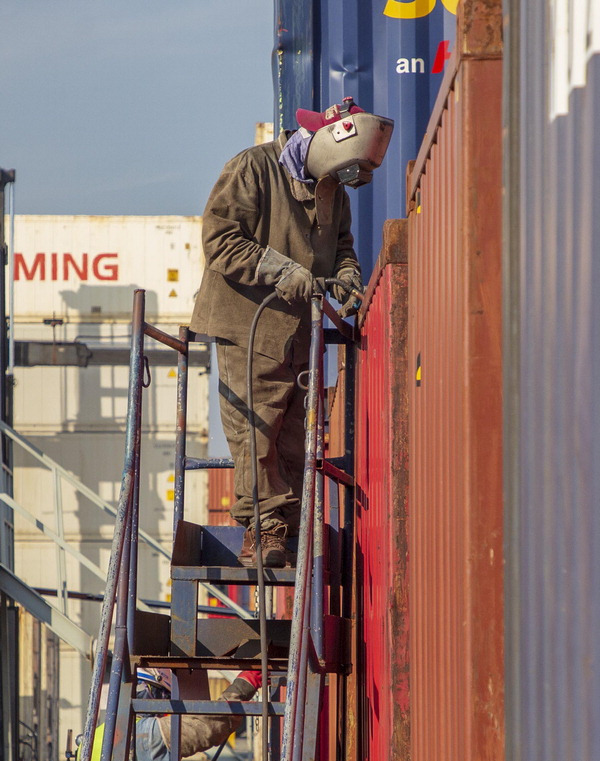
(301, 191)
(322, 192)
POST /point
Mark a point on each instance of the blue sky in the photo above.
(129, 106)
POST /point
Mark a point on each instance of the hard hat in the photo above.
(348, 143)
(155, 679)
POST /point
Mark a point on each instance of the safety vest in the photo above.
(97, 746)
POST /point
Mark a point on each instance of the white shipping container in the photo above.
(49, 398)
(83, 268)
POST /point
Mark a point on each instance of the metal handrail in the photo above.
(307, 657)
(64, 475)
(305, 579)
(122, 565)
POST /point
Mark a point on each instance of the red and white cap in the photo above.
(313, 120)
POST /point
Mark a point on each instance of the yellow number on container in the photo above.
(415, 8)
(412, 9)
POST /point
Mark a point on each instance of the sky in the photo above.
(130, 106)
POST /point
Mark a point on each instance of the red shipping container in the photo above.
(381, 665)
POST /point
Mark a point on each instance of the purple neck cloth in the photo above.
(293, 156)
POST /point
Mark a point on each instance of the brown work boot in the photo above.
(272, 540)
(247, 556)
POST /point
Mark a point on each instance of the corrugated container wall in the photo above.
(390, 56)
(454, 356)
(221, 497)
(382, 507)
(552, 309)
(74, 279)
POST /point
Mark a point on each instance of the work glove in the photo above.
(350, 304)
(292, 281)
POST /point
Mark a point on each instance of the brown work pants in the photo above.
(279, 416)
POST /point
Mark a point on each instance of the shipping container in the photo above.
(85, 268)
(552, 376)
(390, 56)
(221, 497)
(382, 506)
(455, 410)
(74, 282)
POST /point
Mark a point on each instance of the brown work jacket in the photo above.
(256, 203)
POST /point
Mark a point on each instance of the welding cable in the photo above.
(358, 295)
(262, 613)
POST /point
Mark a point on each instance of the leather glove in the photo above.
(292, 281)
(296, 284)
(350, 276)
(350, 304)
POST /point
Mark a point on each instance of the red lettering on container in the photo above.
(82, 271)
(104, 267)
(442, 55)
(39, 261)
(109, 271)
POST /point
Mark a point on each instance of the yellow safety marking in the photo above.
(173, 294)
(225, 501)
(173, 276)
(171, 373)
(419, 209)
(171, 478)
(170, 494)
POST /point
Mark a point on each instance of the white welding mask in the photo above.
(348, 143)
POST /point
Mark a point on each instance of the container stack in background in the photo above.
(74, 281)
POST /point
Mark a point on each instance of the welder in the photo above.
(279, 217)
(198, 733)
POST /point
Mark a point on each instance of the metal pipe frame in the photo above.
(75, 483)
(134, 543)
(125, 500)
(61, 565)
(120, 644)
(181, 428)
(303, 562)
(317, 597)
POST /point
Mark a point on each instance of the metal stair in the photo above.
(300, 652)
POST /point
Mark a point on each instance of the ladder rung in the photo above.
(330, 469)
(194, 463)
(207, 707)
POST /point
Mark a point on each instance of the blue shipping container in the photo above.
(390, 56)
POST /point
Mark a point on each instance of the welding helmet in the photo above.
(348, 143)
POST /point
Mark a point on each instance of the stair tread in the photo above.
(211, 546)
(230, 574)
